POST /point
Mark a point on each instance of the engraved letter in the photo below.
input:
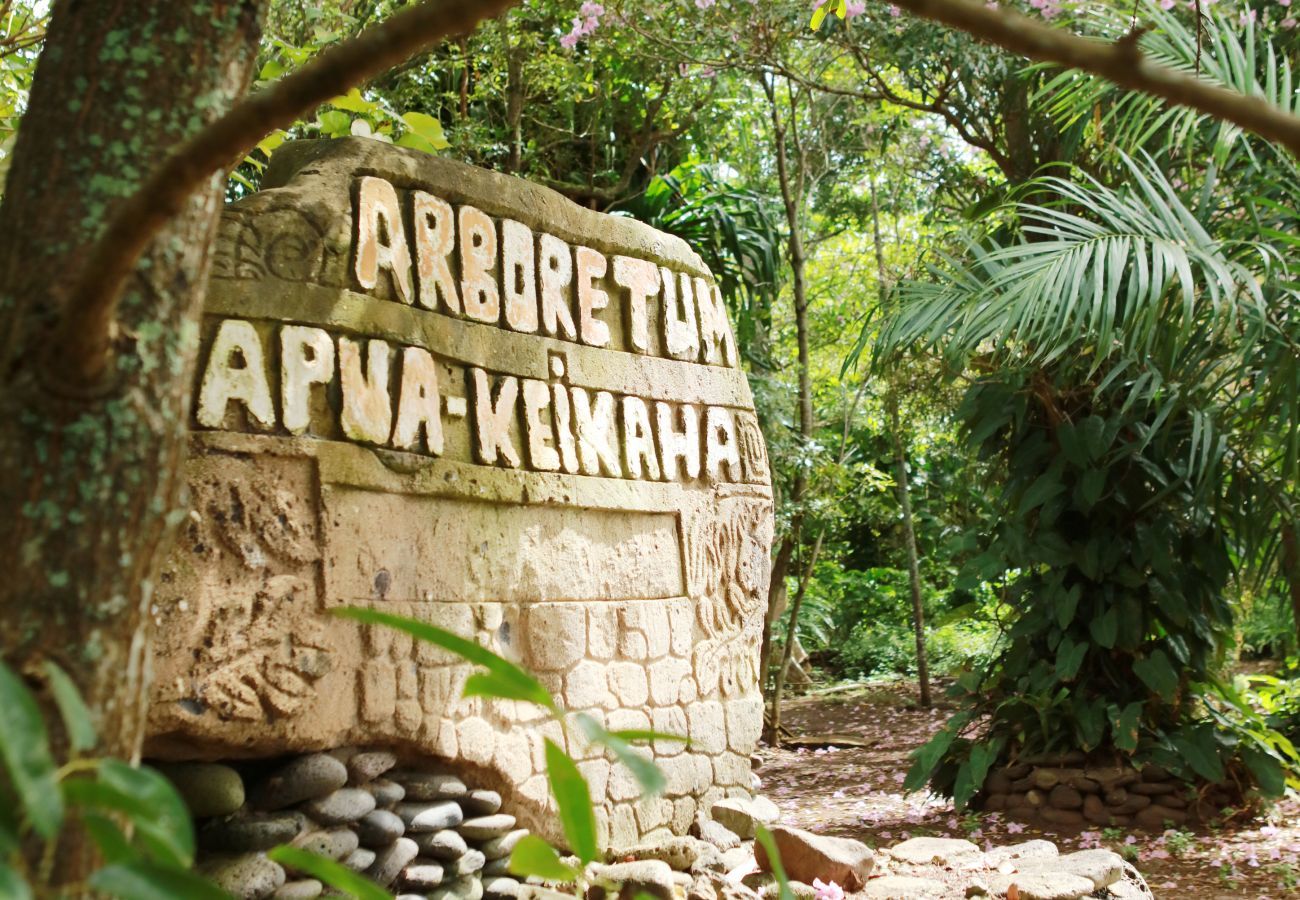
(641, 278)
(675, 445)
(417, 403)
(596, 430)
(306, 358)
(638, 439)
(591, 265)
(236, 371)
(519, 276)
(435, 240)
(681, 334)
(492, 420)
(478, 262)
(381, 242)
(720, 445)
(715, 330)
(541, 455)
(564, 428)
(367, 407)
(555, 268)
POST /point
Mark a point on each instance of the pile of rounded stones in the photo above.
(420, 831)
(722, 861)
(1065, 791)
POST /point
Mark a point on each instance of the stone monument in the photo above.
(454, 395)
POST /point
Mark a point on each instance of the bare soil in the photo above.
(857, 792)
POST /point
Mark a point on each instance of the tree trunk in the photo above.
(776, 594)
(514, 98)
(93, 483)
(1291, 567)
(791, 630)
(909, 538)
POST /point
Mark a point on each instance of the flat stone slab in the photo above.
(1101, 867)
(430, 816)
(903, 887)
(484, 828)
(1042, 885)
(932, 851)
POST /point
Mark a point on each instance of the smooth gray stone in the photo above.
(500, 847)
(249, 876)
(390, 861)
(441, 845)
(360, 859)
(499, 866)
(208, 789)
(368, 766)
(379, 828)
(422, 875)
(430, 785)
(305, 889)
(481, 803)
(460, 889)
(430, 816)
(484, 828)
(252, 831)
(306, 778)
(334, 844)
(386, 793)
(342, 807)
(468, 863)
(501, 887)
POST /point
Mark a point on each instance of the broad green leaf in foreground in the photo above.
(573, 797)
(25, 748)
(533, 856)
(330, 872)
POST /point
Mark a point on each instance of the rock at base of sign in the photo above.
(468, 863)
(366, 767)
(249, 876)
(484, 828)
(208, 789)
(335, 844)
(390, 861)
(481, 803)
(500, 847)
(497, 867)
(379, 828)
(435, 816)
(340, 807)
(1041, 886)
(386, 793)
(460, 889)
(250, 832)
(743, 815)
(303, 889)
(501, 887)
(422, 875)
(306, 778)
(648, 876)
(808, 857)
(430, 785)
(360, 859)
(441, 845)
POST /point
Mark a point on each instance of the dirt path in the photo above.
(857, 792)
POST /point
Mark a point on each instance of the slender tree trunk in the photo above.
(791, 631)
(1291, 565)
(514, 98)
(92, 482)
(909, 539)
(776, 596)
(465, 75)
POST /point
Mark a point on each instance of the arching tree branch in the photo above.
(1119, 61)
(83, 337)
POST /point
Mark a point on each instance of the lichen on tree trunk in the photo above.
(92, 480)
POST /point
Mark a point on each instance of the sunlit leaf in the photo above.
(573, 797)
(24, 746)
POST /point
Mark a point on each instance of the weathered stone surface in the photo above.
(1101, 867)
(208, 789)
(460, 889)
(337, 843)
(1026, 850)
(931, 851)
(386, 793)
(485, 828)
(303, 889)
(440, 845)
(250, 831)
(499, 847)
(481, 803)
(342, 806)
(430, 816)
(379, 828)
(501, 887)
(1042, 885)
(305, 778)
(360, 859)
(391, 860)
(808, 857)
(681, 853)
(651, 876)
(715, 833)
(487, 408)
(467, 863)
(421, 875)
(249, 876)
(430, 785)
(742, 815)
(903, 887)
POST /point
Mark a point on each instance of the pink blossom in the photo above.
(1283, 2)
(830, 891)
(1014, 828)
(855, 8)
(591, 10)
(1247, 16)
(895, 11)
(704, 4)
(569, 41)
(1166, 4)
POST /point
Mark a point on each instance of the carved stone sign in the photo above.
(456, 396)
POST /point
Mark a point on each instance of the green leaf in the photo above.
(643, 768)
(152, 881)
(335, 123)
(1090, 487)
(927, 757)
(1269, 773)
(573, 797)
(971, 774)
(76, 717)
(1069, 657)
(161, 820)
(1044, 488)
(764, 837)
(1157, 674)
(273, 69)
(329, 872)
(25, 748)
(1066, 605)
(513, 682)
(415, 142)
(818, 16)
(427, 127)
(108, 837)
(1201, 752)
(532, 856)
(1124, 725)
(12, 885)
(353, 102)
(1105, 628)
